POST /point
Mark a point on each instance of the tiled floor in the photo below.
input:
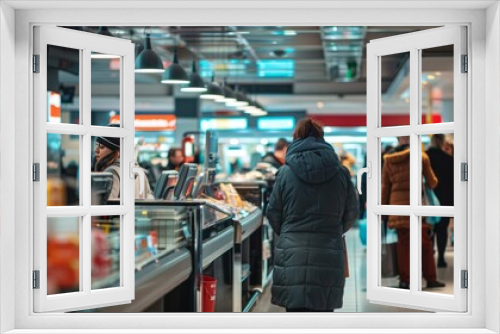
(355, 289)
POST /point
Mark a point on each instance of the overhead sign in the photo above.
(223, 124)
(150, 122)
(276, 123)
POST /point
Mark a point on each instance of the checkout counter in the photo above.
(187, 239)
(178, 240)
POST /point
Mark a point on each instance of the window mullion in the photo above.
(85, 170)
(415, 169)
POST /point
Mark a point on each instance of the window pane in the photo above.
(395, 175)
(63, 170)
(63, 80)
(395, 89)
(105, 256)
(395, 251)
(437, 255)
(105, 85)
(63, 255)
(106, 170)
(439, 151)
(437, 85)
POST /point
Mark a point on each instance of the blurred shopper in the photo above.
(362, 196)
(312, 205)
(107, 159)
(442, 165)
(277, 159)
(396, 191)
(348, 161)
(175, 159)
(449, 147)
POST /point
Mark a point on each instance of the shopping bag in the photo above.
(431, 199)
(389, 260)
(389, 251)
(346, 258)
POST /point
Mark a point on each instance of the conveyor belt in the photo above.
(157, 279)
(250, 223)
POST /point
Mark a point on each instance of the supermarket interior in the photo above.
(215, 108)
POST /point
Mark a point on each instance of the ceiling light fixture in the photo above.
(175, 74)
(213, 92)
(241, 101)
(196, 83)
(95, 55)
(105, 32)
(148, 61)
(228, 94)
(258, 113)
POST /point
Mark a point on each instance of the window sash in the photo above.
(86, 298)
(413, 43)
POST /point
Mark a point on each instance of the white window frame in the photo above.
(484, 308)
(86, 297)
(414, 43)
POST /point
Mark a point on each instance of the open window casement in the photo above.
(78, 244)
(415, 76)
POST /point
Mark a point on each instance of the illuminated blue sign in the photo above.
(276, 123)
(223, 124)
(276, 68)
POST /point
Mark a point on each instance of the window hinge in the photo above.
(465, 64)
(465, 171)
(36, 172)
(36, 279)
(465, 279)
(36, 63)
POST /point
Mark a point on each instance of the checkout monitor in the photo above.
(101, 185)
(166, 184)
(184, 187)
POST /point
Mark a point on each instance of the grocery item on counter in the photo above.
(234, 199)
(141, 247)
(101, 261)
(231, 195)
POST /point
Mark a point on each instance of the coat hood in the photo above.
(312, 160)
(398, 157)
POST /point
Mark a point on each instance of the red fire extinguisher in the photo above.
(188, 148)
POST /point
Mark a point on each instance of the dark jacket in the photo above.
(271, 159)
(312, 204)
(442, 165)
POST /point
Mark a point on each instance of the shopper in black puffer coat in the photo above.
(312, 205)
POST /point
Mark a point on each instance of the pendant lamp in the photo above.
(213, 91)
(196, 83)
(175, 74)
(148, 61)
(228, 94)
(105, 32)
(241, 101)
